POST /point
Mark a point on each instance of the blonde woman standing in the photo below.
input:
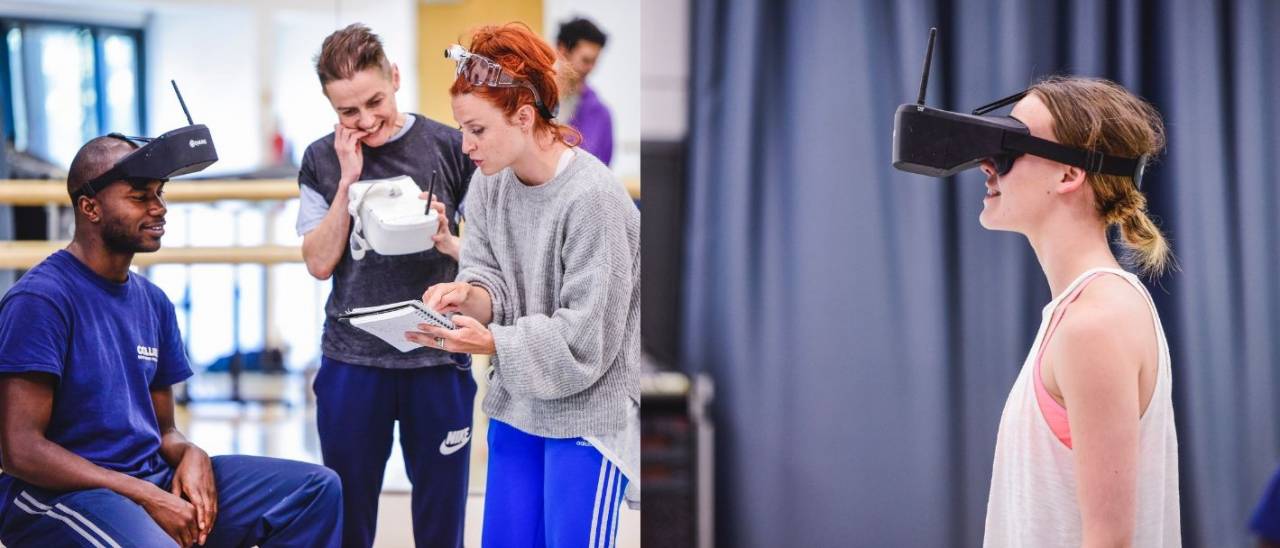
(1087, 453)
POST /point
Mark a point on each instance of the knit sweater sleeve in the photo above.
(555, 356)
(477, 262)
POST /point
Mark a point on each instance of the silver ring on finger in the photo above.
(440, 342)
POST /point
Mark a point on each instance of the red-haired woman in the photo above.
(549, 283)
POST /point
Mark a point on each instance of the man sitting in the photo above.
(88, 355)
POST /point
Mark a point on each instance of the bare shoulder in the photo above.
(1114, 301)
(1108, 323)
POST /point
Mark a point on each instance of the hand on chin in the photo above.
(373, 140)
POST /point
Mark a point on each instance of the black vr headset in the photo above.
(179, 152)
(940, 143)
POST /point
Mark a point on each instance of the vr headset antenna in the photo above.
(191, 123)
(431, 192)
(928, 57)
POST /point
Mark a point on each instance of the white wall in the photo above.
(303, 112)
(121, 15)
(664, 74)
(211, 51)
(615, 77)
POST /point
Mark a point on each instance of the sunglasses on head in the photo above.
(479, 70)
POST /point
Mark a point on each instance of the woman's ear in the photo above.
(1073, 179)
(524, 117)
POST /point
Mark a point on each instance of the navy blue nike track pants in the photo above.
(357, 408)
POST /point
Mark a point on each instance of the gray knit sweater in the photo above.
(562, 263)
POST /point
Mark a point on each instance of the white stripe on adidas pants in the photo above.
(66, 515)
(72, 513)
(617, 511)
(610, 528)
(595, 508)
(608, 508)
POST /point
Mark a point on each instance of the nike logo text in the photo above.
(455, 440)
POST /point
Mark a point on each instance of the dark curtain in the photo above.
(863, 329)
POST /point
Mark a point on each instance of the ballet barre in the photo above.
(33, 192)
(26, 254)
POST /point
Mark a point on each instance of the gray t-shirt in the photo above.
(425, 145)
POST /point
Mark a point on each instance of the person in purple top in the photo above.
(579, 44)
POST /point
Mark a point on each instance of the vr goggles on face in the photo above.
(482, 71)
(179, 152)
(940, 143)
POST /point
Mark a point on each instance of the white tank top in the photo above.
(1033, 477)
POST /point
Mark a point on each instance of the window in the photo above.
(64, 83)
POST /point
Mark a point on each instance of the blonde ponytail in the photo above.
(1097, 114)
(1147, 248)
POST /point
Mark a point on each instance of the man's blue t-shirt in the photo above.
(108, 344)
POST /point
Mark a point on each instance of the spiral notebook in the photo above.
(389, 322)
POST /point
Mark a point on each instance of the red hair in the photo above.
(527, 57)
